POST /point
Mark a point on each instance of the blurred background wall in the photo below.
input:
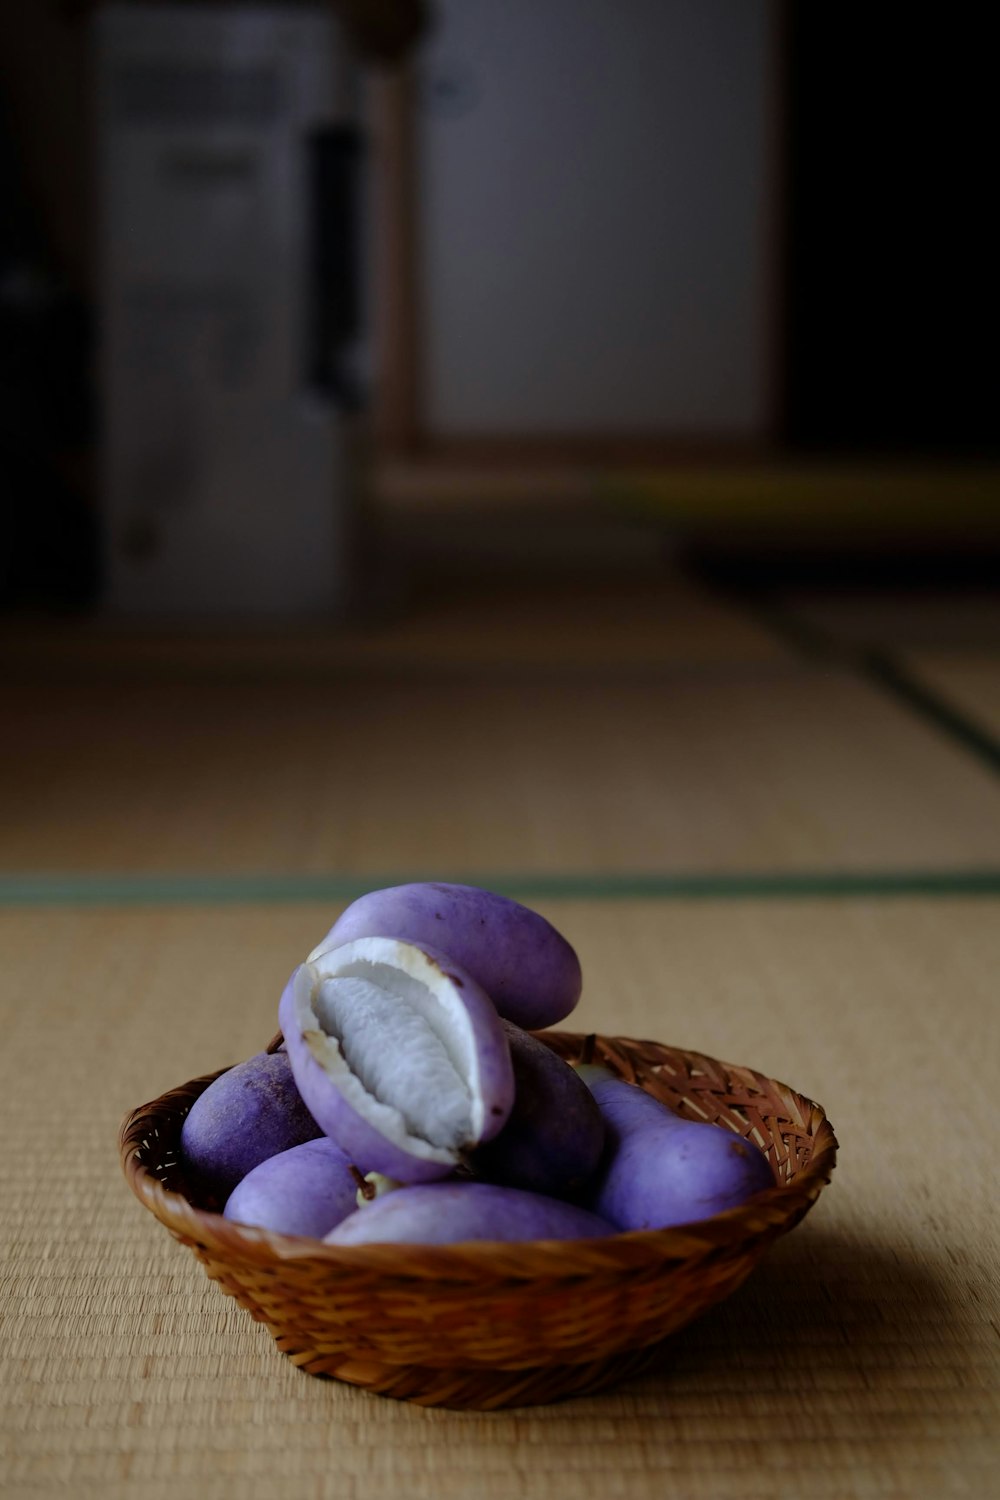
(718, 275)
(597, 223)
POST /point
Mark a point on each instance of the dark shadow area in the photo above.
(49, 546)
(915, 568)
(819, 1305)
(889, 289)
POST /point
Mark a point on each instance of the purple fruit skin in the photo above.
(662, 1170)
(449, 1213)
(553, 1140)
(250, 1113)
(527, 968)
(307, 1190)
(357, 1136)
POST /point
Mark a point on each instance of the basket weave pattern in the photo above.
(487, 1325)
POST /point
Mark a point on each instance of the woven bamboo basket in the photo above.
(492, 1325)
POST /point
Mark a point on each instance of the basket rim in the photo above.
(765, 1216)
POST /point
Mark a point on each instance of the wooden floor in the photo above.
(733, 836)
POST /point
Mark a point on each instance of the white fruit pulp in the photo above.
(399, 1041)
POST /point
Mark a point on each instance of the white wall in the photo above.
(595, 216)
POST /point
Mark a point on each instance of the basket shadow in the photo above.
(819, 1301)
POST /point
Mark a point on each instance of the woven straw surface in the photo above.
(639, 620)
(486, 1326)
(858, 1360)
(970, 680)
(906, 620)
(772, 769)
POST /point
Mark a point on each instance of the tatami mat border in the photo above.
(881, 667)
(934, 707)
(158, 890)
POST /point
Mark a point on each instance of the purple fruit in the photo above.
(447, 1213)
(553, 1140)
(306, 1190)
(527, 968)
(399, 1054)
(248, 1114)
(662, 1170)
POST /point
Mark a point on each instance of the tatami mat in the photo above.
(643, 618)
(900, 620)
(784, 768)
(859, 1361)
(967, 680)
